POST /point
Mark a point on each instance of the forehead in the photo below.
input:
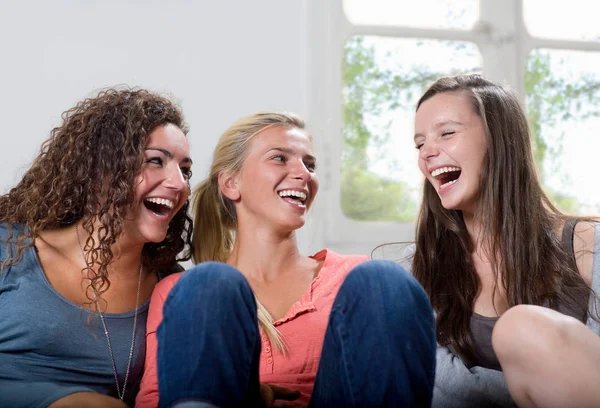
(443, 107)
(168, 137)
(279, 136)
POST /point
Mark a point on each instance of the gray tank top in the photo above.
(482, 326)
(481, 330)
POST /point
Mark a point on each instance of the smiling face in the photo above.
(450, 137)
(161, 187)
(277, 183)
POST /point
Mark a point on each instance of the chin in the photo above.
(458, 206)
(293, 226)
(450, 205)
(154, 236)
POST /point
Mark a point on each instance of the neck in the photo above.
(126, 258)
(263, 255)
(475, 230)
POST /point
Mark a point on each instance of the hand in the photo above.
(270, 394)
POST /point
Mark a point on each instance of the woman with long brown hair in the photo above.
(85, 234)
(488, 240)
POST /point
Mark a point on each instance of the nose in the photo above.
(175, 179)
(428, 150)
(301, 172)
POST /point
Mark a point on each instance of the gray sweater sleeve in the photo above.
(461, 387)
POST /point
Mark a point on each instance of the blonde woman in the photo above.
(335, 330)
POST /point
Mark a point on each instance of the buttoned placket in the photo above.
(267, 351)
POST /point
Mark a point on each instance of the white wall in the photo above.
(222, 59)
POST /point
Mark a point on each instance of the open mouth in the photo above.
(294, 197)
(159, 206)
(446, 175)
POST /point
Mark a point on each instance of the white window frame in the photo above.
(504, 44)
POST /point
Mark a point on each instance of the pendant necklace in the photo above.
(120, 392)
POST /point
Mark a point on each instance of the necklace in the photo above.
(120, 392)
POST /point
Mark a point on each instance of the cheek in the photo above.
(184, 197)
(314, 188)
(314, 183)
(423, 167)
(138, 182)
(424, 171)
(475, 165)
(185, 194)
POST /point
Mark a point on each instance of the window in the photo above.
(563, 20)
(562, 88)
(380, 57)
(380, 180)
(450, 14)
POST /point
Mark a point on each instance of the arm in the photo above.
(148, 394)
(89, 400)
(583, 246)
(586, 246)
(458, 386)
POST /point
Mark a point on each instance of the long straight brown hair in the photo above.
(518, 219)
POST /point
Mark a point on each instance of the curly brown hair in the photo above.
(85, 171)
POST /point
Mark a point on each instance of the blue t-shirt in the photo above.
(48, 346)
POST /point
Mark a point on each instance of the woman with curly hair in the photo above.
(85, 236)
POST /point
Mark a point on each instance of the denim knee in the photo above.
(382, 273)
(384, 281)
(214, 277)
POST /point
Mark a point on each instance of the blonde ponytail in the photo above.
(212, 239)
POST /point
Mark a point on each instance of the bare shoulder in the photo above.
(583, 245)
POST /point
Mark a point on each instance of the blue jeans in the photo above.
(378, 351)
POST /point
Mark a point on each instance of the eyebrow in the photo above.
(439, 125)
(169, 154)
(291, 151)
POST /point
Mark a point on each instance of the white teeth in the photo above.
(161, 201)
(448, 183)
(442, 170)
(293, 193)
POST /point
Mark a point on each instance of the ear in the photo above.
(229, 186)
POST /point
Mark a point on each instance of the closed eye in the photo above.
(418, 146)
(311, 166)
(280, 158)
(187, 172)
(155, 160)
(447, 133)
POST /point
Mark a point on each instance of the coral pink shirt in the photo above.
(302, 328)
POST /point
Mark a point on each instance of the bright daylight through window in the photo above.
(383, 76)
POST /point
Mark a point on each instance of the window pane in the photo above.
(563, 94)
(567, 20)
(383, 79)
(457, 14)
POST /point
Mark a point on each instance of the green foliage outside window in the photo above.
(371, 90)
